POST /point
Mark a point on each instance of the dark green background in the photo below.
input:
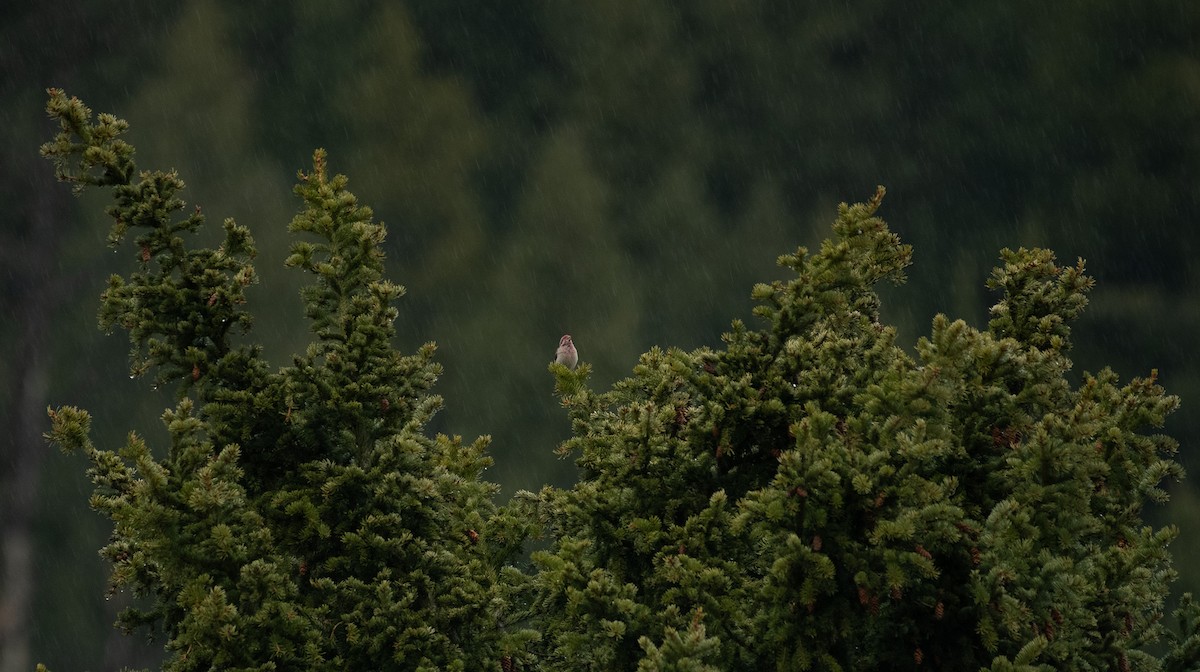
(622, 171)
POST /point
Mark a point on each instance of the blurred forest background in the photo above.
(623, 171)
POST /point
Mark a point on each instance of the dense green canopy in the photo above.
(808, 497)
(621, 171)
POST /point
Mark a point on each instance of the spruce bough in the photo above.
(809, 496)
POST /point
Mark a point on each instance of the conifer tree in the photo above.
(810, 497)
(299, 518)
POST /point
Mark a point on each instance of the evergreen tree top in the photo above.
(811, 496)
(808, 496)
(301, 518)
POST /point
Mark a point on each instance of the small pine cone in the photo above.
(924, 553)
(816, 542)
(918, 655)
(507, 664)
(863, 596)
(975, 556)
(939, 610)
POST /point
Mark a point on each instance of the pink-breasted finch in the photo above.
(567, 355)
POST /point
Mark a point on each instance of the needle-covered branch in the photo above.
(181, 305)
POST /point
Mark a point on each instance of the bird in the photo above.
(567, 355)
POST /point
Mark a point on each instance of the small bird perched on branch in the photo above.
(567, 355)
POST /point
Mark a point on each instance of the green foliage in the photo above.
(181, 305)
(810, 496)
(300, 519)
(830, 503)
(680, 652)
